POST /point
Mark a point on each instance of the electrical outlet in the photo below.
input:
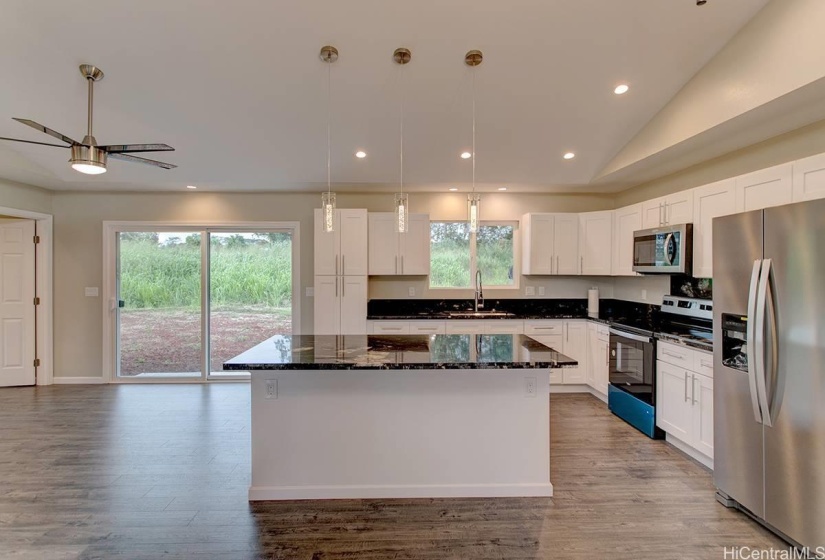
(541, 290)
(91, 292)
(411, 291)
(271, 388)
(529, 386)
(644, 295)
(530, 291)
(310, 292)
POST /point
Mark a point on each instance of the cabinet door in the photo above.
(326, 246)
(353, 242)
(603, 366)
(710, 201)
(653, 213)
(764, 188)
(809, 178)
(537, 244)
(596, 243)
(679, 208)
(625, 221)
(428, 327)
(503, 326)
(383, 244)
(390, 327)
(415, 246)
(327, 305)
(353, 305)
(592, 353)
(566, 244)
(702, 392)
(575, 346)
(674, 410)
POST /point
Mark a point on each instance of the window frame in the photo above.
(516, 225)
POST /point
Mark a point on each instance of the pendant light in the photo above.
(402, 203)
(329, 55)
(473, 59)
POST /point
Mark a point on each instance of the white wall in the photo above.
(25, 197)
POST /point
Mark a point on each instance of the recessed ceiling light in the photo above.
(502, 188)
(191, 187)
(621, 88)
(360, 154)
(569, 155)
(466, 155)
(453, 189)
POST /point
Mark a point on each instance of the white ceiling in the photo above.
(238, 89)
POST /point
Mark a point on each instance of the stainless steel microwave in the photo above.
(664, 250)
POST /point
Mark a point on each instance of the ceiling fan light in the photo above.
(88, 160)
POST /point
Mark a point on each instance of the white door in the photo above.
(596, 242)
(326, 246)
(679, 208)
(353, 305)
(765, 188)
(539, 257)
(415, 246)
(566, 244)
(17, 303)
(809, 178)
(653, 213)
(625, 221)
(383, 244)
(328, 305)
(575, 346)
(674, 410)
(703, 414)
(353, 242)
(710, 201)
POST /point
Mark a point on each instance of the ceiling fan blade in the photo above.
(49, 131)
(125, 157)
(33, 142)
(134, 148)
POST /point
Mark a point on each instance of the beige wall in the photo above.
(25, 197)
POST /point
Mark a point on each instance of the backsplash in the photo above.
(687, 286)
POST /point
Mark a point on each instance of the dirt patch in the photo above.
(169, 340)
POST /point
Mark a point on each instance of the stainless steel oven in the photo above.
(664, 250)
(632, 389)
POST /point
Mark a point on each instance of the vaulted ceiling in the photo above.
(238, 89)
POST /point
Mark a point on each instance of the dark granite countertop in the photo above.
(440, 351)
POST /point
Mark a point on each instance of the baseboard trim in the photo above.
(77, 380)
(598, 394)
(260, 493)
(689, 451)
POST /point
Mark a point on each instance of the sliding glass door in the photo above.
(189, 299)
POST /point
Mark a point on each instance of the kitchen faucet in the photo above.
(479, 295)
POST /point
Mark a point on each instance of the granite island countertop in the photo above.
(439, 351)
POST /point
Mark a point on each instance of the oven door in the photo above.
(633, 365)
(663, 250)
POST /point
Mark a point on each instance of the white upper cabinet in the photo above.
(676, 208)
(764, 188)
(710, 201)
(344, 250)
(392, 253)
(550, 244)
(625, 221)
(809, 178)
(596, 243)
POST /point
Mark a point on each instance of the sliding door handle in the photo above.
(751, 339)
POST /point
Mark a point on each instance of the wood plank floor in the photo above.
(161, 471)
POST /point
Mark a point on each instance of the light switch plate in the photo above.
(91, 292)
(411, 291)
(541, 290)
(530, 291)
(310, 292)
(644, 295)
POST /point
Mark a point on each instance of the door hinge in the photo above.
(36, 239)
(37, 301)
(37, 362)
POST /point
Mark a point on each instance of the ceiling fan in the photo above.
(87, 156)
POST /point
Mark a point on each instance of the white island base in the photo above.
(400, 433)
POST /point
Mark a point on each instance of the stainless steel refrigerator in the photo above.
(769, 367)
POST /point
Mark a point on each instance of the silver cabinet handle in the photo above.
(557, 264)
(343, 287)
(761, 308)
(693, 389)
(751, 337)
(402, 264)
(336, 286)
(396, 264)
(581, 265)
(686, 381)
(336, 265)
(607, 355)
(390, 328)
(344, 265)
(672, 355)
(661, 214)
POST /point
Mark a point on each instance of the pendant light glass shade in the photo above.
(473, 211)
(328, 210)
(402, 212)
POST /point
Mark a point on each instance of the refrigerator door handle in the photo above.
(751, 339)
(761, 311)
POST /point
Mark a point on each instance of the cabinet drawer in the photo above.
(465, 327)
(676, 355)
(703, 363)
(543, 327)
(503, 326)
(427, 327)
(391, 327)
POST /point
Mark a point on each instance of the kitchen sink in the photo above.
(479, 314)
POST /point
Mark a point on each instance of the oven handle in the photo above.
(631, 336)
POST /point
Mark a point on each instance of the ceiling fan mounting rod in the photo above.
(92, 74)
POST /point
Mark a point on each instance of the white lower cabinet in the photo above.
(598, 357)
(575, 346)
(684, 403)
(428, 327)
(340, 305)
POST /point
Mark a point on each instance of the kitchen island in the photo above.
(371, 416)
